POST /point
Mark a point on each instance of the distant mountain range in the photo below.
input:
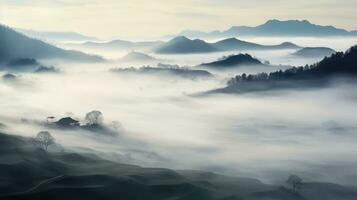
(55, 36)
(15, 45)
(274, 28)
(314, 52)
(183, 45)
(317, 75)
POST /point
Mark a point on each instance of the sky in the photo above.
(152, 18)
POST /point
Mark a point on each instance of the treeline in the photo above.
(337, 64)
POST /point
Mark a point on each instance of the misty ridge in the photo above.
(75, 124)
(337, 65)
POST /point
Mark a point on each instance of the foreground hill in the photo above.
(299, 28)
(309, 52)
(317, 75)
(28, 173)
(233, 61)
(15, 45)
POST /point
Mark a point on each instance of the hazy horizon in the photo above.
(152, 19)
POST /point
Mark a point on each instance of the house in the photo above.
(67, 122)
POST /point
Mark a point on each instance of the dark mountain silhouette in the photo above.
(135, 56)
(166, 70)
(119, 45)
(317, 75)
(235, 44)
(183, 45)
(274, 28)
(55, 36)
(314, 52)
(233, 61)
(15, 45)
(28, 172)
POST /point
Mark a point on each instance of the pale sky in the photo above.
(151, 18)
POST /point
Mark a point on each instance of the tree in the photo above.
(295, 182)
(94, 118)
(44, 139)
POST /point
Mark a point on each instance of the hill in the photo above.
(235, 44)
(135, 56)
(183, 45)
(28, 172)
(316, 75)
(233, 61)
(314, 52)
(15, 45)
(299, 28)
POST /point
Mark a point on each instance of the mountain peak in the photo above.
(180, 39)
(292, 22)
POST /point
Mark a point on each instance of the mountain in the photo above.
(183, 45)
(55, 36)
(299, 28)
(120, 45)
(135, 56)
(231, 44)
(314, 52)
(338, 65)
(233, 61)
(15, 45)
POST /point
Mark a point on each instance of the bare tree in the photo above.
(44, 139)
(94, 118)
(295, 182)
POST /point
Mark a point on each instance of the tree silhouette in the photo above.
(295, 182)
(44, 139)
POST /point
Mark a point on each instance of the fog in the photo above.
(262, 135)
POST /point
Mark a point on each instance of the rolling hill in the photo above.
(28, 172)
